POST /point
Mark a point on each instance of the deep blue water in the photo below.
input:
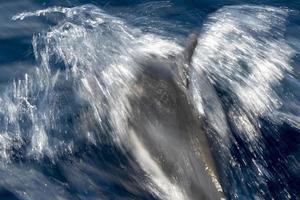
(52, 147)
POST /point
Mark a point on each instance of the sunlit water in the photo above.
(67, 71)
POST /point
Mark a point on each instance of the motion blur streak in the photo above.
(64, 131)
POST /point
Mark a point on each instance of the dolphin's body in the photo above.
(164, 120)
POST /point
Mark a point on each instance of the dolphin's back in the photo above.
(165, 122)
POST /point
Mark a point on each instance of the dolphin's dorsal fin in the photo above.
(192, 42)
(184, 64)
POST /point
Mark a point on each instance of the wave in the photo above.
(66, 123)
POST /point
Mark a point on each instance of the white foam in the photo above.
(243, 50)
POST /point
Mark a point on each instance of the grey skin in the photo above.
(164, 120)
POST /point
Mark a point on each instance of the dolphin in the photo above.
(166, 123)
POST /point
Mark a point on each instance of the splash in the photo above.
(76, 101)
(242, 50)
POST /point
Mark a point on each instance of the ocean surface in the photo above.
(66, 71)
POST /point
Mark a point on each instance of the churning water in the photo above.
(65, 98)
